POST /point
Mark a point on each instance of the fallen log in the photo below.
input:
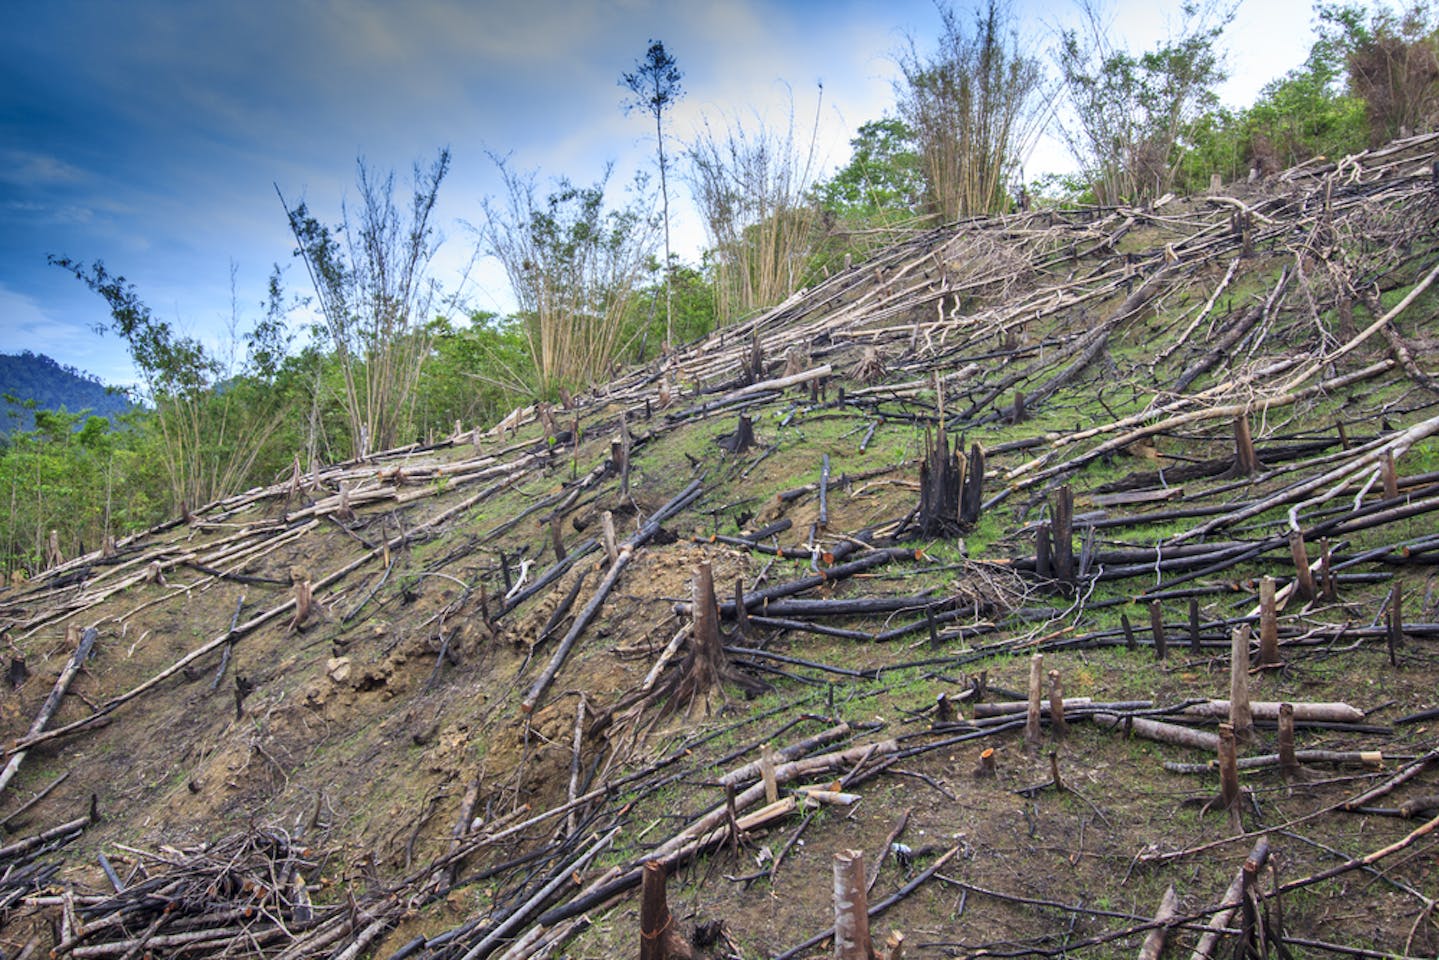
(592, 608)
(1358, 758)
(758, 598)
(1161, 731)
(1269, 710)
(52, 702)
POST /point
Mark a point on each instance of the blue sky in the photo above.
(149, 134)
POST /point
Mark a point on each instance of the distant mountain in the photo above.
(32, 376)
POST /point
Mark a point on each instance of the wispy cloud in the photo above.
(27, 168)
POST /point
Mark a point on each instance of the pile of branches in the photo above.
(247, 894)
(22, 871)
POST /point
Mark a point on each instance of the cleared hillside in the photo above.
(417, 705)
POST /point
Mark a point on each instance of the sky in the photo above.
(151, 134)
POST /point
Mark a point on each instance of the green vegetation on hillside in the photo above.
(30, 382)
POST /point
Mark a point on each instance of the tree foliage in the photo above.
(371, 282)
(211, 437)
(573, 263)
(1130, 110)
(1391, 60)
(884, 179)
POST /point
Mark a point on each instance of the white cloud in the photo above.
(27, 325)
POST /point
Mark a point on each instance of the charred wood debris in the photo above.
(1023, 327)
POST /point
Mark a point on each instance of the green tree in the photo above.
(1131, 111)
(691, 293)
(1303, 114)
(469, 372)
(884, 179)
(654, 87)
(214, 420)
(1391, 60)
(574, 262)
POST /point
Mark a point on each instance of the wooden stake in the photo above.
(607, 527)
(1395, 634)
(304, 598)
(1057, 727)
(1246, 461)
(1268, 624)
(1129, 643)
(741, 612)
(1240, 717)
(1042, 563)
(971, 496)
(1156, 626)
(1064, 535)
(851, 907)
(1330, 590)
(1036, 691)
(1303, 576)
(1389, 475)
(658, 938)
(732, 815)
(943, 709)
(766, 772)
(1228, 772)
(1194, 646)
(1288, 762)
(344, 512)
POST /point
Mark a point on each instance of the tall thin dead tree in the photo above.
(654, 86)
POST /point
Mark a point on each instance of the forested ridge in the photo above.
(36, 382)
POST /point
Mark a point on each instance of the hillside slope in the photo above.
(29, 376)
(417, 706)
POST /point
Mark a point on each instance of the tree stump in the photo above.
(659, 940)
(851, 908)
